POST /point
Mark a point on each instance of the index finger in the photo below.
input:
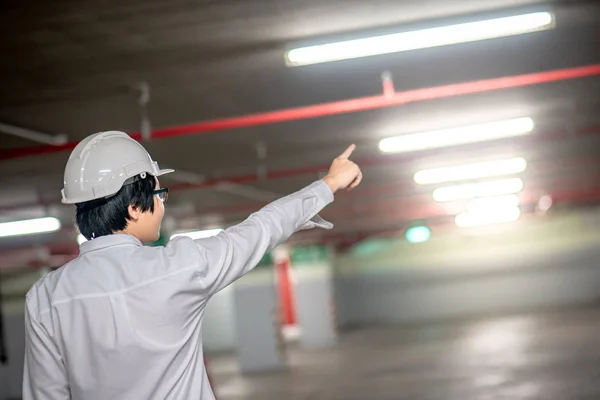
(346, 154)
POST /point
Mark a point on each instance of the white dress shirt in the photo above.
(123, 321)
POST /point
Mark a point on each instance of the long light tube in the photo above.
(487, 217)
(29, 226)
(457, 136)
(198, 234)
(420, 39)
(491, 204)
(469, 191)
(479, 170)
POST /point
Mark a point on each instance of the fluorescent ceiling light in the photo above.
(199, 234)
(492, 204)
(29, 227)
(426, 38)
(480, 170)
(457, 136)
(487, 217)
(483, 189)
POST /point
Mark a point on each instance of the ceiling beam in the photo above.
(382, 100)
(35, 136)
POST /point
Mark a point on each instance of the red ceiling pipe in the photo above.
(342, 107)
(423, 207)
(381, 101)
(370, 193)
(312, 169)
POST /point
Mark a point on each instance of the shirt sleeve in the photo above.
(235, 251)
(44, 375)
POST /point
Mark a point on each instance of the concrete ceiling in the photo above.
(72, 67)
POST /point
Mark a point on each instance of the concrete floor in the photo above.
(553, 355)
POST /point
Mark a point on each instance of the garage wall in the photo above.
(531, 265)
(13, 287)
(11, 374)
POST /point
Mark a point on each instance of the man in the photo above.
(122, 320)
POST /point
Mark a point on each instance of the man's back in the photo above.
(125, 320)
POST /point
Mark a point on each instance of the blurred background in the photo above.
(467, 265)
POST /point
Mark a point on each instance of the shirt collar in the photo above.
(103, 242)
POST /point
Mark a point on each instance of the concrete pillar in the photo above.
(260, 345)
(11, 374)
(218, 326)
(314, 296)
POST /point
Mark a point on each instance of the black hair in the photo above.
(103, 217)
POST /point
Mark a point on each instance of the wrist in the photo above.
(331, 183)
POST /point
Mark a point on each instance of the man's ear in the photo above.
(134, 213)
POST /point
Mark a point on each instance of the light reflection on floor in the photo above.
(539, 356)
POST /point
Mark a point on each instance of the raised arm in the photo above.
(235, 251)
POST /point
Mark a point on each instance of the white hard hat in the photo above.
(101, 163)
